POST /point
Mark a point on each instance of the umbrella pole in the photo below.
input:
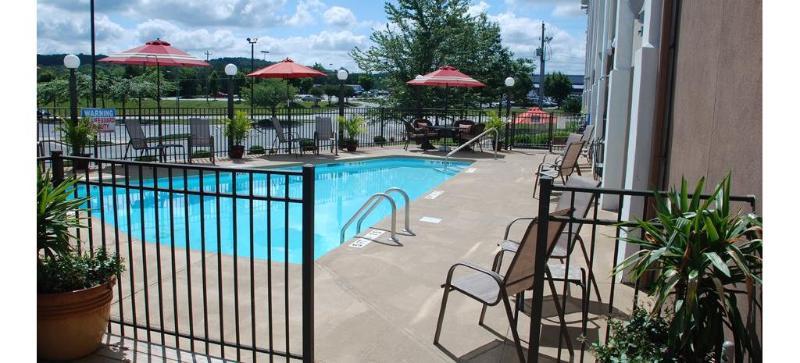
(158, 106)
(289, 114)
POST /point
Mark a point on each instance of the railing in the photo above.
(472, 140)
(407, 225)
(542, 132)
(383, 126)
(370, 205)
(598, 231)
(215, 257)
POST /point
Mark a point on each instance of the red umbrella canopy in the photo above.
(446, 76)
(286, 69)
(156, 52)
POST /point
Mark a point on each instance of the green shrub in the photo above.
(307, 144)
(354, 126)
(238, 128)
(571, 104)
(643, 338)
(73, 271)
(201, 154)
(379, 140)
(496, 123)
(78, 134)
(256, 150)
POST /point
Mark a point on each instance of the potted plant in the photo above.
(256, 150)
(237, 130)
(495, 122)
(379, 140)
(78, 134)
(353, 127)
(703, 253)
(74, 289)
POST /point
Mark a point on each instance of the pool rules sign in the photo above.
(102, 118)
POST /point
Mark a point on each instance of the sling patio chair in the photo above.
(587, 138)
(282, 136)
(580, 205)
(200, 136)
(561, 168)
(324, 132)
(139, 142)
(490, 287)
(560, 154)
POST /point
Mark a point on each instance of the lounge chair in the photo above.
(200, 136)
(490, 287)
(588, 140)
(324, 132)
(561, 168)
(566, 242)
(139, 143)
(282, 136)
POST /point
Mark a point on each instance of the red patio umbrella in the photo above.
(156, 53)
(287, 69)
(446, 76)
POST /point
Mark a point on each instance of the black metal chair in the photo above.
(200, 136)
(139, 142)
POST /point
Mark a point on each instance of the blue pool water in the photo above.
(340, 189)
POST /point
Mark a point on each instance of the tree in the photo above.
(557, 86)
(213, 83)
(271, 93)
(366, 82)
(119, 90)
(423, 35)
(317, 92)
(330, 91)
(572, 104)
(348, 92)
(52, 91)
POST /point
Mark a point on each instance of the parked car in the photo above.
(44, 115)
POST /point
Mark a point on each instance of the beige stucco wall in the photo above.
(717, 105)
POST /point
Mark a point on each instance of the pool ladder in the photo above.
(371, 204)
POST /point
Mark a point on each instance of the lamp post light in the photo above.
(72, 62)
(252, 42)
(265, 52)
(509, 83)
(230, 70)
(341, 75)
(419, 101)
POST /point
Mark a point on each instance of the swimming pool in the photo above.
(340, 189)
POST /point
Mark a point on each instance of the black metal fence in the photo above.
(219, 261)
(542, 132)
(606, 296)
(383, 126)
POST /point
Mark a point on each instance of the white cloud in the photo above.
(570, 9)
(477, 9)
(339, 16)
(304, 11)
(189, 40)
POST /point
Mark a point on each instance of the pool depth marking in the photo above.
(430, 220)
(434, 194)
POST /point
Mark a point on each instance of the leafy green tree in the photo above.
(557, 86)
(271, 93)
(572, 104)
(423, 35)
(213, 83)
(52, 91)
(317, 92)
(366, 81)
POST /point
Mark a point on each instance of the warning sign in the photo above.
(103, 118)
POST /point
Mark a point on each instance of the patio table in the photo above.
(445, 132)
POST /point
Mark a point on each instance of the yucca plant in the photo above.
(78, 134)
(703, 253)
(57, 215)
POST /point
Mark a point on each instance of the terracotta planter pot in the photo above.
(236, 152)
(70, 325)
(81, 165)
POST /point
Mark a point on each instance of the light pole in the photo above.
(72, 62)
(252, 42)
(94, 73)
(418, 78)
(230, 70)
(509, 83)
(341, 75)
(265, 52)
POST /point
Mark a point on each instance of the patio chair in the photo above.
(324, 132)
(490, 287)
(580, 208)
(282, 136)
(561, 168)
(200, 136)
(139, 142)
(570, 139)
(421, 136)
(586, 137)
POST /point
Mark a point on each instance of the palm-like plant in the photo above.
(704, 253)
(56, 214)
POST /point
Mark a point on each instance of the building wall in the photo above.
(716, 113)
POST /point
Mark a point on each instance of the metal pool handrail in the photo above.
(402, 192)
(472, 140)
(364, 206)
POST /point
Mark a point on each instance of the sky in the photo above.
(308, 31)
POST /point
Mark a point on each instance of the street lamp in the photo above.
(265, 52)
(230, 70)
(252, 42)
(72, 62)
(509, 83)
(418, 78)
(341, 75)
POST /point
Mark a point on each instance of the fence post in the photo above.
(546, 184)
(308, 263)
(57, 166)
(550, 132)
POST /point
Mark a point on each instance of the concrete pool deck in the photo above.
(379, 303)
